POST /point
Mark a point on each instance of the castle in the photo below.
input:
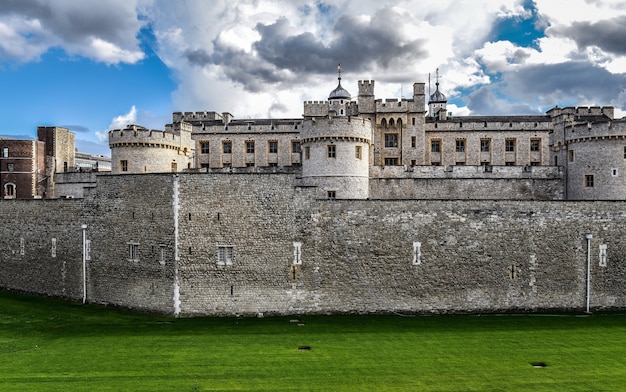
(359, 206)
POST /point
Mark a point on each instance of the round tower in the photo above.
(136, 149)
(335, 150)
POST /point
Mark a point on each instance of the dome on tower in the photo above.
(339, 92)
(437, 96)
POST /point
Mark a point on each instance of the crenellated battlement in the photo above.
(366, 87)
(138, 135)
(316, 108)
(570, 111)
(196, 116)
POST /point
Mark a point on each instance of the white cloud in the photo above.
(101, 30)
(119, 122)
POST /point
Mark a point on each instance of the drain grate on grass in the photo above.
(538, 365)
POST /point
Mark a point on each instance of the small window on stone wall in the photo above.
(297, 253)
(331, 150)
(162, 254)
(124, 165)
(614, 172)
(602, 262)
(331, 194)
(133, 251)
(570, 156)
(307, 152)
(357, 152)
(53, 249)
(225, 255)
(589, 181)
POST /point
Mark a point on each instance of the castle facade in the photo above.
(365, 206)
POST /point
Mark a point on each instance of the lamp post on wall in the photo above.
(84, 228)
(588, 237)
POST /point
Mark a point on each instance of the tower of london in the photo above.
(361, 205)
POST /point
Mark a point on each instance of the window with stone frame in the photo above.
(225, 255)
(123, 165)
(485, 145)
(227, 147)
(331, 151)
(460, 145)
(391, 161)
(509, 145)
(435, 146)
(357, 152)
(133, 251)
(307, 152)
(250, 147)
(589, 181)
(535, 145)
(204, 147)
(391, 140)
(295, 147)
(273, 147)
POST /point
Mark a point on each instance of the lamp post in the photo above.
(588, 237)
(84, 228)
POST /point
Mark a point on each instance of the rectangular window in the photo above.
(133, 251)
(10, 167)
(5, 152)
(227, 147)
(331, 150)
(224, 255)
(307, 152)
(624, 152)
(485, 145)
(162, 254)
(273, 147)
(331, 194)
(589, 181)
(174, 167)
(413, 141)
(460, 145)
(123, 165)
(357, 152)
(391, 161)
(204, 148)
(535, 145)
(570, 156)
(509, 145)
(509, 163)
(54, 248)
(435, 146)
(391, 140)
(295, 147)
(250, 147)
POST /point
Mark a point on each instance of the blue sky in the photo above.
(94, 66)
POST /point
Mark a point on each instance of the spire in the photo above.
(339, 92)
(437, 96)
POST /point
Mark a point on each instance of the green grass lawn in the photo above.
(52, 345)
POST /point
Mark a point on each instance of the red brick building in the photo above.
(27, 167)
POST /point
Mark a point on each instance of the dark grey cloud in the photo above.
(569, 83)
(113, 21)
(485, 101)
(284, 58)
(77, 128)
(606, 34)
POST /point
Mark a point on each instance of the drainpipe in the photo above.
(588, 237)
(84, 228)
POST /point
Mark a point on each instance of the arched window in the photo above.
(9, 190)
(383, 123)
(399, 123)
(391, 124)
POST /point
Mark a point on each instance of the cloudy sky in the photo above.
(96, 65)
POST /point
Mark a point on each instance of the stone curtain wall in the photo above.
(132, 209)
(475, 256)
(357, 256)
(41, 249)
(252, 213)
(352, 256)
